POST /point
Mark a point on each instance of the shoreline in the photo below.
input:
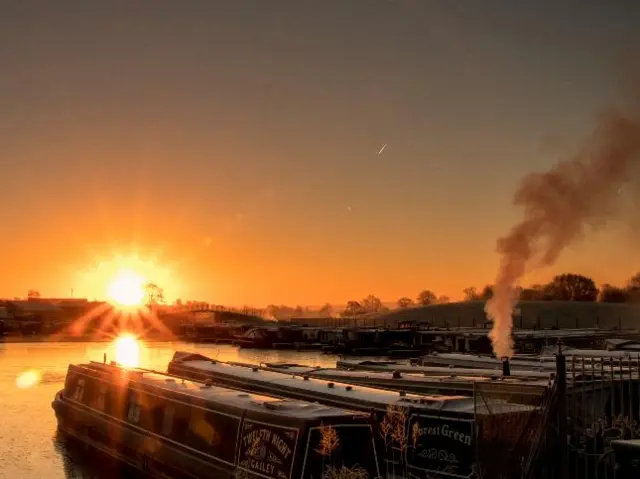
(45, 339)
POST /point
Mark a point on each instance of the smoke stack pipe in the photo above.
(506, 367)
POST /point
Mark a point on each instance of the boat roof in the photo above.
(526, 333)
(229, 397)
(343, 390)
(375, 396)
(483, 369)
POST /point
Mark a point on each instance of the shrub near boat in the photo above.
(183, 429)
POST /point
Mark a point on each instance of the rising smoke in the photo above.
(560, 205)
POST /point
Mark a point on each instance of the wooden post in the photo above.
(561, 390)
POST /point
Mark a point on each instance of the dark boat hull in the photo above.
(134, 448)
(181, 430)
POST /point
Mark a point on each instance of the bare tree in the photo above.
(426, 297)
(572, 287)
(486, 293)
(353, 308)
(155, 294)
(612, 294)
(405, 302)
(372, 304)
(471, 294)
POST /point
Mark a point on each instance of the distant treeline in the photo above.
(563, 287)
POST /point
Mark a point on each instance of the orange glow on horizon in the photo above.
(122, 279)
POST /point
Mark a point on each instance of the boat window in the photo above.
(78, 394)
(180, 422)
(334, 447)
(101, 398)
(167, 420)
(133, 413)
(213, 433)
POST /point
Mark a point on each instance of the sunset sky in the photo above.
(229, 149)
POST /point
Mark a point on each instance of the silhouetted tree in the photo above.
(633, 288)
(443, 299)
(33, 293)
(155, 294)
(326, 309)
(178, 303)
(372, 304)
(299, 311)
(535, 292)
(470, 294)
(426, 297)
(353, 308)
(405, 302)
(572, 287)
(486, 293)
(612, 294)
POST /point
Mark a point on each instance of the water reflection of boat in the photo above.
(169, 427)
(80, 462)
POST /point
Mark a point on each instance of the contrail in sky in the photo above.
(382, 149)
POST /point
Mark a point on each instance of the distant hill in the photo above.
(538, 314)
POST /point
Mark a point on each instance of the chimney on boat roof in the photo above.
(506, 367)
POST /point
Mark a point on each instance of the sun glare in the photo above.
(28, 379)
(127, 351)
(126, 289)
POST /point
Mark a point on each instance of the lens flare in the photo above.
(127, 289)
(28, 379)
(127, 351)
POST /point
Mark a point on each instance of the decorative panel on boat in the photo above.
(440, 444)
(267, 449)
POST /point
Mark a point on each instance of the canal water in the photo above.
(31, 374)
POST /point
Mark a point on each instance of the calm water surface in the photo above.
(28, 445)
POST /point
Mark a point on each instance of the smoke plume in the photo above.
(560, 205)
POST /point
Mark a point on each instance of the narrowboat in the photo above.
(430, 425)
(270, 338)
(490, 369)
(517, 389)
(174, 428)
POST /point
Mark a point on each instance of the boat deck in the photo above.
(221, 395)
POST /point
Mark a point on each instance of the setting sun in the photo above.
(127, 351)
(127, 288)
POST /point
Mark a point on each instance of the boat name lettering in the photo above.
(444, 430)
(270, 437)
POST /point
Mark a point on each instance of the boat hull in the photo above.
(136, 449)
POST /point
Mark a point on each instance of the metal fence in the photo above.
(602, 406)
(510, 427)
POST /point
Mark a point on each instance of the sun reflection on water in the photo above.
(127, 351)
(28, 379)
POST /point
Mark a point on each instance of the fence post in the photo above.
(561, 390)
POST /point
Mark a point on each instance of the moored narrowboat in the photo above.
(413, 431)
(175, 428)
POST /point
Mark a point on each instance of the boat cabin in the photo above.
(179, 428)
